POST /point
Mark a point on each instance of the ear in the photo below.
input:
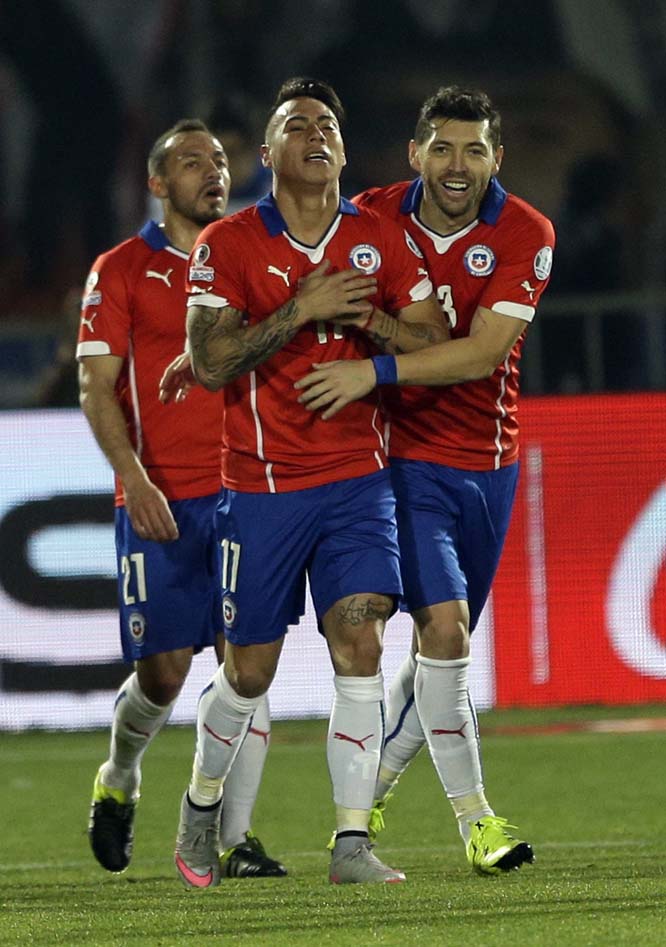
(499, 155)
(344, 158)
(266, 158)
(414, 160)
(157, 186)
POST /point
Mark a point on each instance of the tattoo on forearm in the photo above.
(222, 350)
(420, 330)
(359, 610)
(384, 333)
(383, 330)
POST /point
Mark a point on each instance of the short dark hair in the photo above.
(465, 105)
(158, 153)
(303, 87)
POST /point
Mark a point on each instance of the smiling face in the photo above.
(303, 143)
(456, 161)
(195, 177)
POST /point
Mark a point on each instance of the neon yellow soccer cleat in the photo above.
(492, 850)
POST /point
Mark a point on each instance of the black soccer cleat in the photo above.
(111, 827)
(249, 860)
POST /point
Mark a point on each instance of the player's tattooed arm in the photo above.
(395, 336)
(223, 349)
(417, 326)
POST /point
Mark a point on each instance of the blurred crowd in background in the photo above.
(87, 86)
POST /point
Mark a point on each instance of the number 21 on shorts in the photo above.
(134, 563)
(230, 560)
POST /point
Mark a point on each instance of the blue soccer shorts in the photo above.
(169, 593)
(342, 536)
(451, 524)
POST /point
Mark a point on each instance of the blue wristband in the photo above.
(386, 369)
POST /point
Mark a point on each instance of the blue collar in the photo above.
(154, 236)
(274, 222)
(491, 206)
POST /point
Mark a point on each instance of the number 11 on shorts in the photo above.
(230, 559)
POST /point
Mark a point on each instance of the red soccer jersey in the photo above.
(501, 261)
(134, 307)
(249, 261)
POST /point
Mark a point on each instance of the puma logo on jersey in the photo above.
(273, 270)
(88, 323)
(530, 289)
(163, 276)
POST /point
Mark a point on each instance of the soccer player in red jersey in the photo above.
(167, 483)
(302, 276)
(453, 449)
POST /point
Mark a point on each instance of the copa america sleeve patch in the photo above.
(201, 254)
(543, 262)
(411, 243)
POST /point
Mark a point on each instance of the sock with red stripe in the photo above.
(242, 783)
(136, 722)
(355, 737)
(223, 718)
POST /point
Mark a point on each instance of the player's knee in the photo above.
(360, 655)
(164, 690)
(249, 681)
(161, 676)
(445, 641)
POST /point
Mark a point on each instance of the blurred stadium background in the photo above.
(578, 614)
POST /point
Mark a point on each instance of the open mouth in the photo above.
(215, 190)
(318, 156)
(455, 187)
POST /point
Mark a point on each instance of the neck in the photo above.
(307, 213)
(181, 232)
(435, 218)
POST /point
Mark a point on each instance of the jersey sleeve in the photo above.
(406, 277)
(105, 309)
(523, 270)
(365, 198)
(215, 269)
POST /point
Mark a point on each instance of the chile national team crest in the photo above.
(228, 611)
(365, 257)
(479, 260)
(137, 627)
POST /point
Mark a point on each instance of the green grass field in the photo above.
(591, 803)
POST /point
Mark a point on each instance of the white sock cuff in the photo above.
(243, 706)
(139, 700)
(364, 690)
(436, 663)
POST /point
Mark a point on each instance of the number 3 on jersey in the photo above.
(445, 296)
(230, 560)
(126, 563)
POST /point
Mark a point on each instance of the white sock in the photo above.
(449, 725)
(355, 738)
(404, 733)
(223, 717)
(136, 721)
(242, 783)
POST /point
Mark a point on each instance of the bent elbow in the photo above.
(490, 364)
(208, 379)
